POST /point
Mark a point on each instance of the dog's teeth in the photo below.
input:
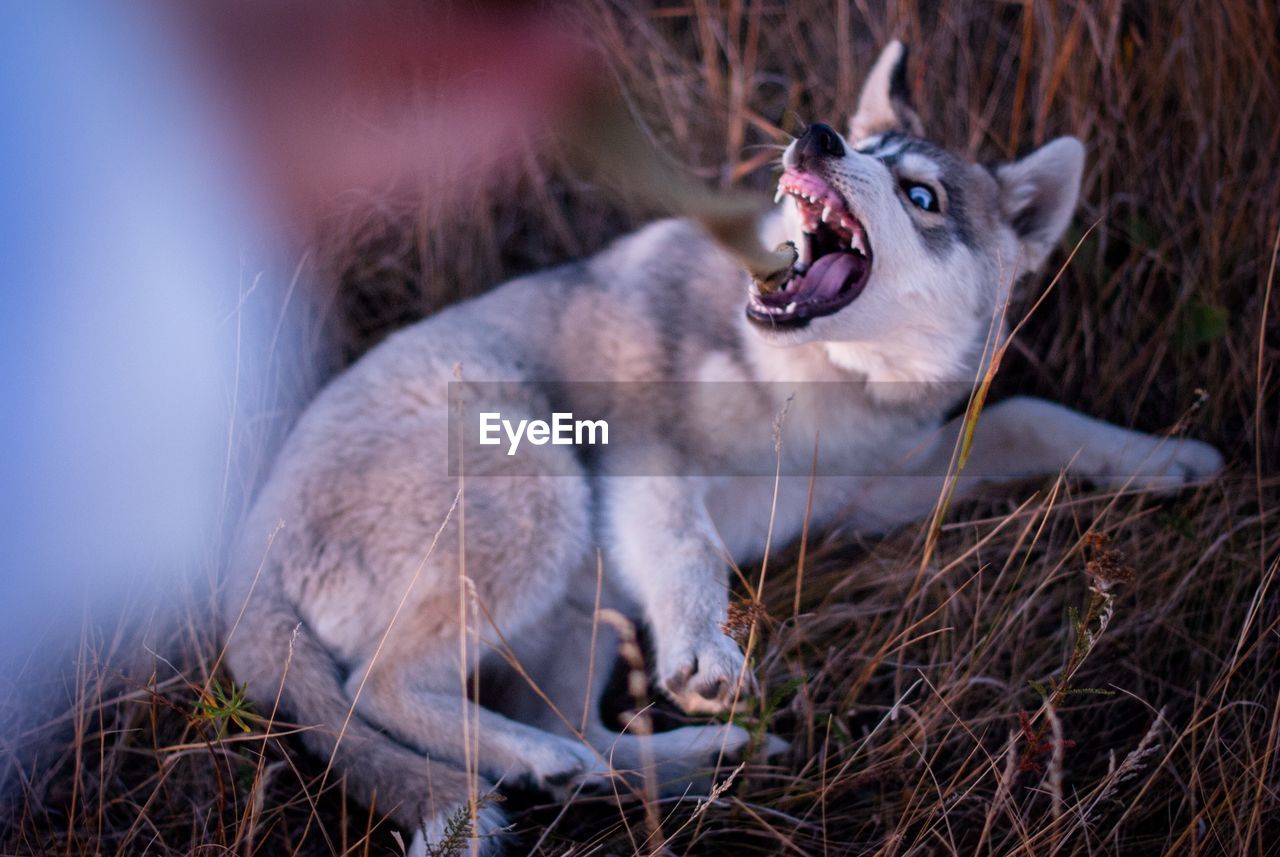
(826, 213)
(791, 307)
(857, 242)
(777, 197)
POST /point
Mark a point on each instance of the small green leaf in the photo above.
(1202, 323)
(225, 705)
(1142, 232)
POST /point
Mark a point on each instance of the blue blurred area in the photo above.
(121, 218)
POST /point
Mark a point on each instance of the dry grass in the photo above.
(1005, 695)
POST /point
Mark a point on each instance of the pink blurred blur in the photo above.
(428, 98)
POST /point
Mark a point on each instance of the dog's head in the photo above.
(904, 245)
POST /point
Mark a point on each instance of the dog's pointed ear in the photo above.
(1038, 196)
(885, 104)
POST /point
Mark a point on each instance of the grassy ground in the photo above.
(1052, 670)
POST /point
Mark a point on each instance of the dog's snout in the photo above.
(819, 141)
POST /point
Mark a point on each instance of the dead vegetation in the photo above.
(1051, 670)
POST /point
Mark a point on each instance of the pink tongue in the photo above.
(825, 277)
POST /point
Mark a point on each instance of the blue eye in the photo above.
(921, 196)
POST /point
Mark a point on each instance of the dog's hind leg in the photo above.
(410, 693)
(559, 683)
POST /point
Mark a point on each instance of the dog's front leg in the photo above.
(1024, 437)
(665, 548)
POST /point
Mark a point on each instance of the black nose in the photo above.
(819, 141)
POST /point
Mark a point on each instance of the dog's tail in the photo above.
(288, 670)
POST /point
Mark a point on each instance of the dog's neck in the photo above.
(919, 354)
(916, 366)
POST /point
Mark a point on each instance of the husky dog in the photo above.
(350, 618)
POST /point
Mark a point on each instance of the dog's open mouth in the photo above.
(834, 264)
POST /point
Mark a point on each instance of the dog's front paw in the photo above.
(1194, 459)
(563, 766)
(1158, 464)
(704, 676)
